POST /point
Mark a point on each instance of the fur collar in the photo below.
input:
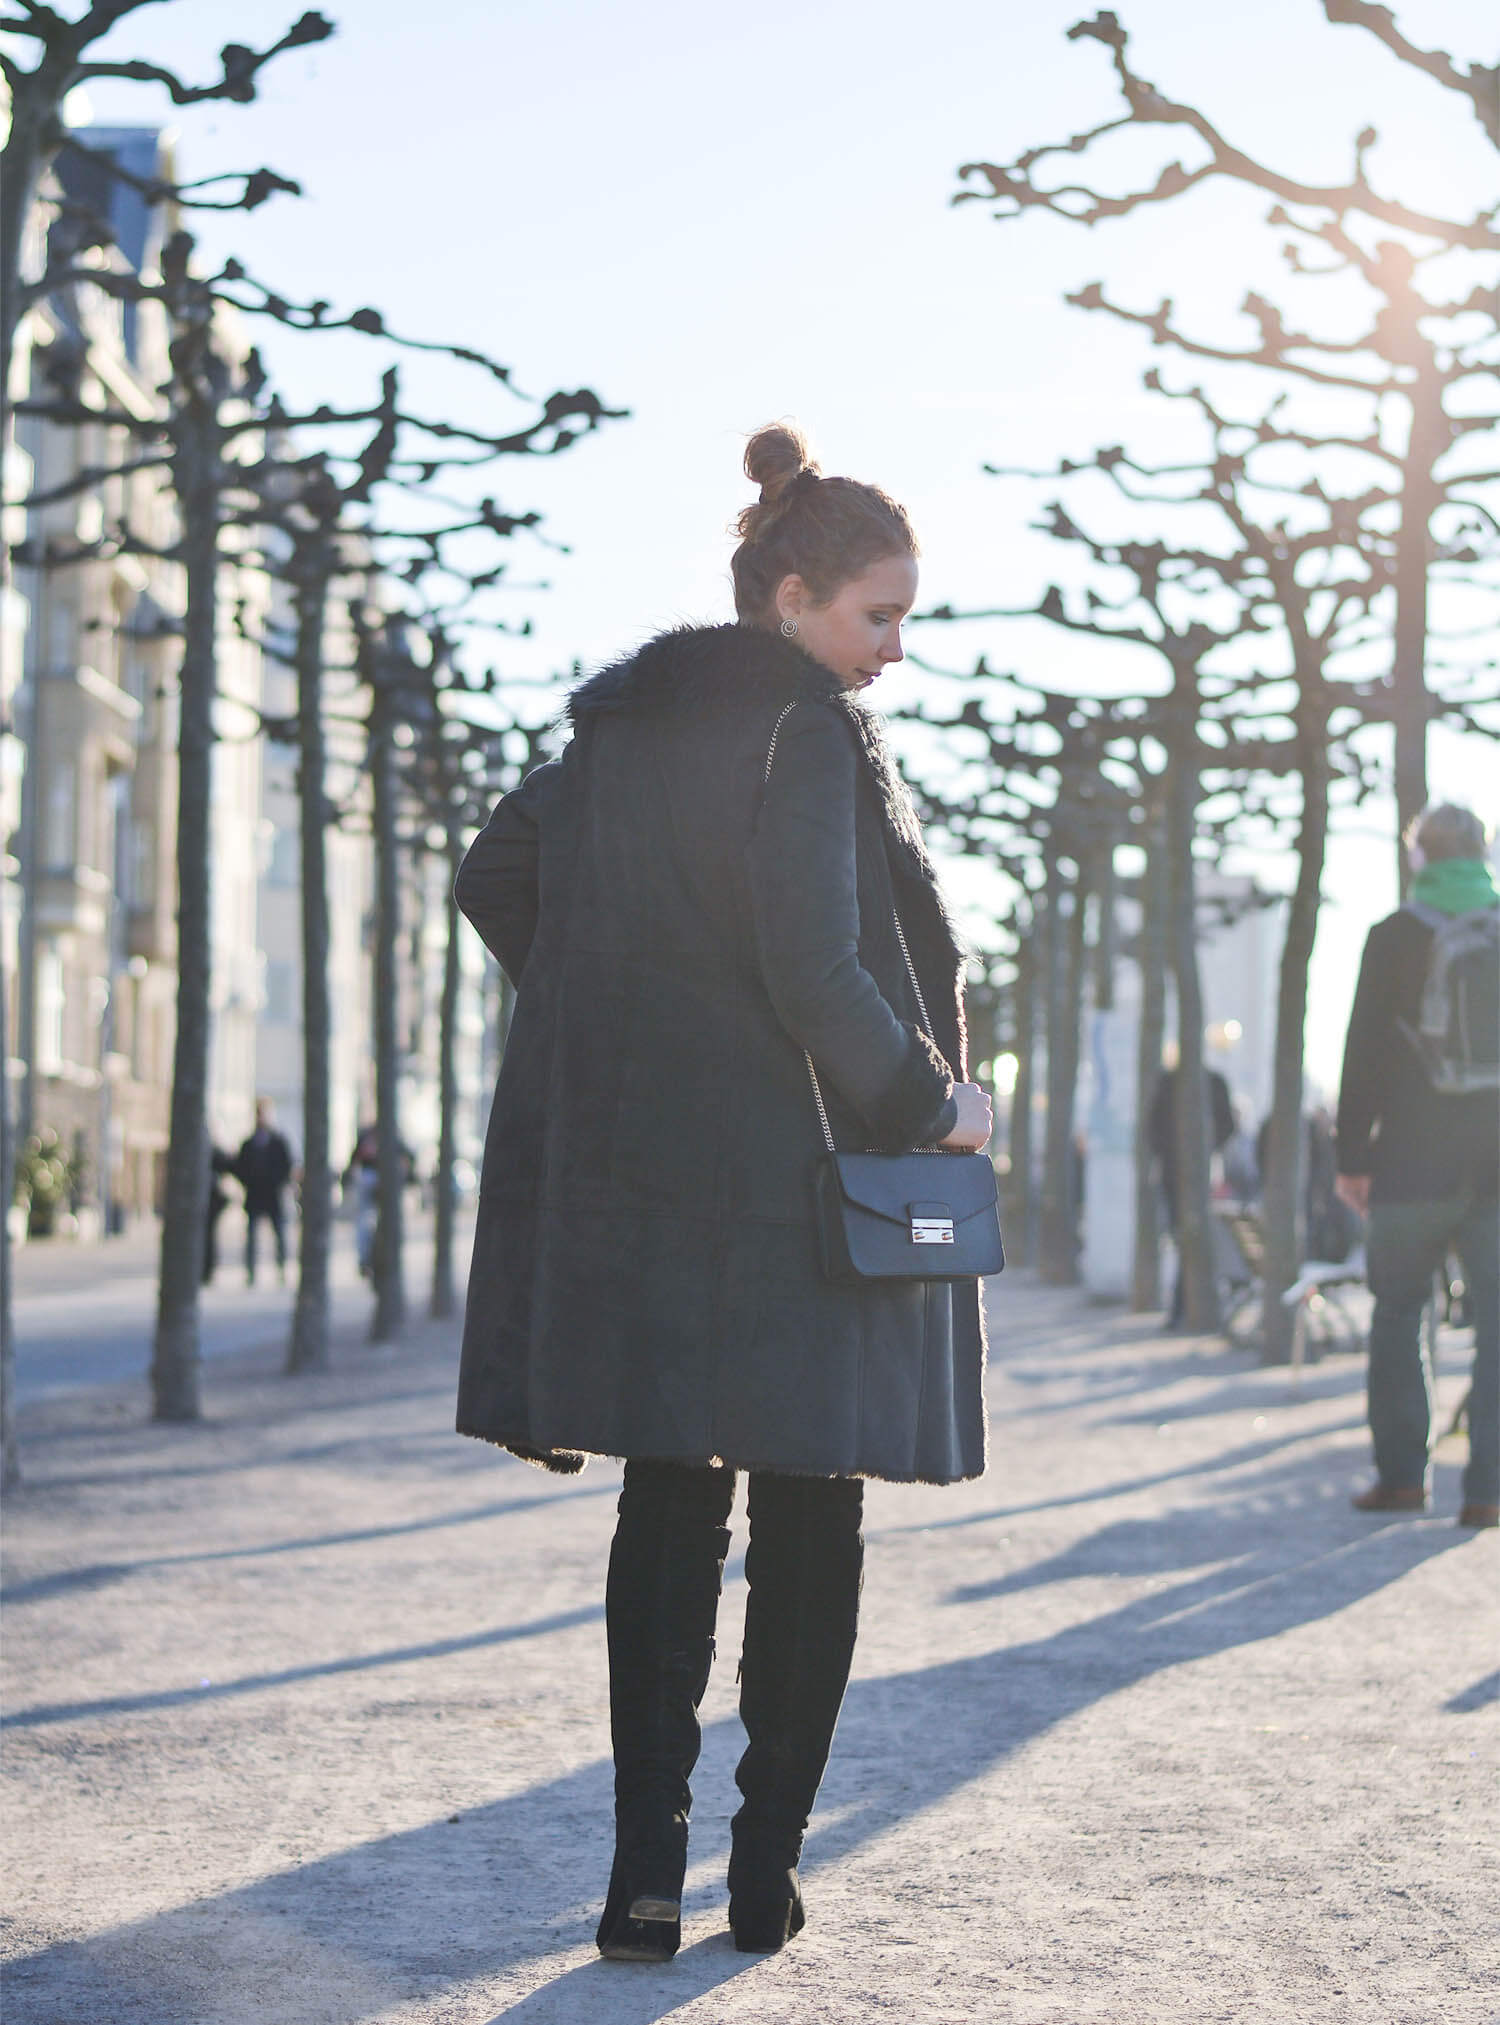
(729, 665)
(704, 664)
(735, 668)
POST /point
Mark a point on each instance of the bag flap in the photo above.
(960, 1185)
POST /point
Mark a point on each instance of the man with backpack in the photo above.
(1419, 1151)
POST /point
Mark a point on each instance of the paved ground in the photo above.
(306, 1719)
(86, 1314)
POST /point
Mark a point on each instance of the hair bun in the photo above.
(775, 458)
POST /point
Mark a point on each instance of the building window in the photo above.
(284, 868)
(87, 817)
(49, 1012)
(142, 864)
(60, 839)
(279, 1010)
(62, 634)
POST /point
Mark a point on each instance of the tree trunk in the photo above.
(1410, 703)
(307, 1348)
(10, 1467)
(31, 112)
(1106, 931)
(33, 115)
(1151, 957)
(390, 1291)
(1283, 1181)
(1194, 1213)
(1019, 1248)
(1059, 1248)
(175, 1360)
(444, 1300)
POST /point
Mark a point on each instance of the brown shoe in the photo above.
(1391, 1498)
(1480, 1515)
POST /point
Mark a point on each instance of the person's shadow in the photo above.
(489, 1896)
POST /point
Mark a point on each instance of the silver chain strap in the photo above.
(911, 968)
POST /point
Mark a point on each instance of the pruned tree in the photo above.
(1046, 797)
(1185, 641)
(216, 408)
(63, 57)
(1295, 583)
(1424, 364)
(457, 769)
(380, 502)
(307, 501)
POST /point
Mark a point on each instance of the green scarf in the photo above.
(1456, 886)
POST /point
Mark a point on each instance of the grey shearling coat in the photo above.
(645, 1279)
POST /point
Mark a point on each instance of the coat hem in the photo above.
(569, 1461)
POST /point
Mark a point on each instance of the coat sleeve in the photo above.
(1367, 1054)
(804, 898)
(498, 882)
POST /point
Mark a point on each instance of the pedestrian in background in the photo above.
(263, 1167)
(362, 1190)
(220, 1164)
(681, 919)
(1419, 1151)
(1161, 1137)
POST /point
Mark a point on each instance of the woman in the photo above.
(681, 918)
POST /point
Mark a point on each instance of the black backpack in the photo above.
(1457, 1038)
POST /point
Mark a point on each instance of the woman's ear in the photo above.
(792, 598)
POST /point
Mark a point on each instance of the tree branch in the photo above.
(240, 65)
(1013, 185)
(1480, 83)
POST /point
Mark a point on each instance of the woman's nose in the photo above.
(892, 650)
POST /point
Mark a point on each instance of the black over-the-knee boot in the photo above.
(804, 1568)
(666, 1568)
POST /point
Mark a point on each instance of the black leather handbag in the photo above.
(921, 1215)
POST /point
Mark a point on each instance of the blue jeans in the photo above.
(1408, 1242)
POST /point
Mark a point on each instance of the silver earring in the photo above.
(789, 629)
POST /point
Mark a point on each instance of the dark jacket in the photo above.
(1161, 1127)
(1416, 1144)
(645, 1277)
(263, 1167)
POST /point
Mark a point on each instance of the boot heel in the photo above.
(632, 1940)
(762, 1922)
(648, 1908)
(644, 1929)
(644, 1925)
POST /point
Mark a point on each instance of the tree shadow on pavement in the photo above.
(42, 1714)
(1248, 1391)
(1478, 1695)
(1231, 1459)
(491, 1895)
(1132, 1381)
(102, 1573)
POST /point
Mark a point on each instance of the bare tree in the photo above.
(37, 130)
(213, 406)
(35, 94)
(1419, 350)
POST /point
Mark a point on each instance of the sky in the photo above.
(719, 216)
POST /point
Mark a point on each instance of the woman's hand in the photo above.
(975, 1119)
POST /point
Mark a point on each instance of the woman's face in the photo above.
(858, 632)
